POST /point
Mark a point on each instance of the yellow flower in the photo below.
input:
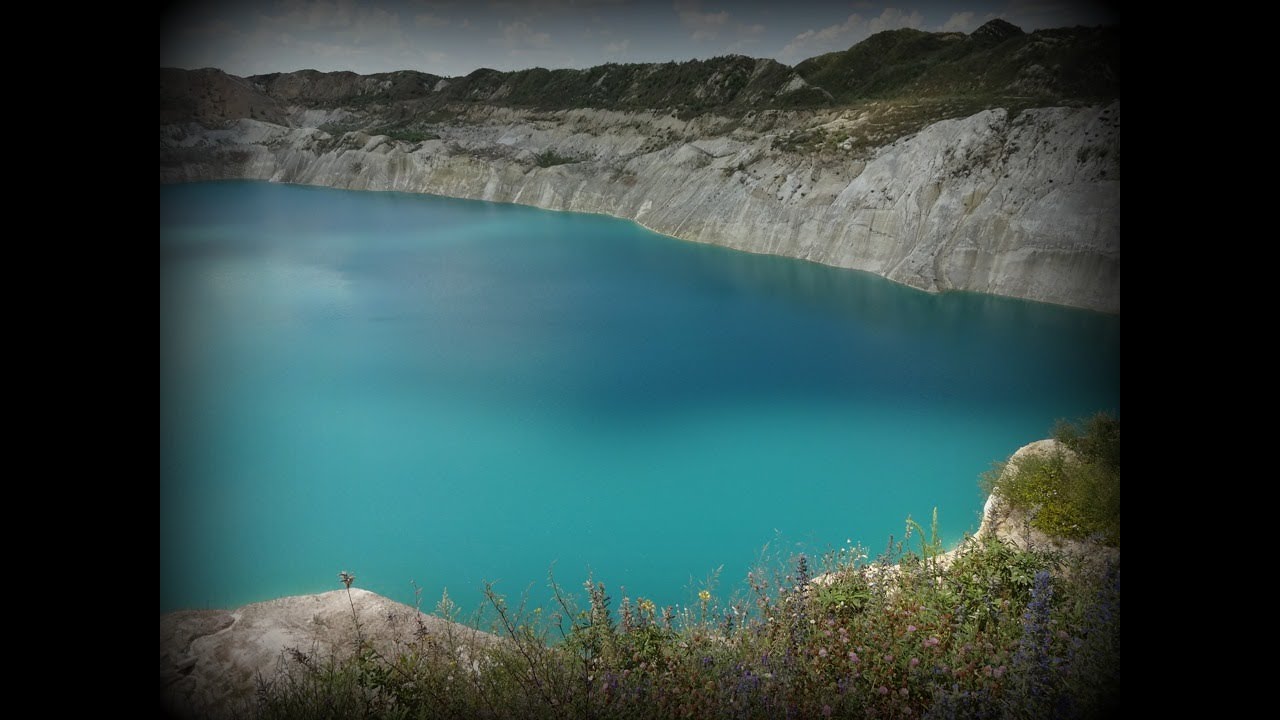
(646, 605)
(704, 595)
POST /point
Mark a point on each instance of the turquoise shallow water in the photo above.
(443, 391)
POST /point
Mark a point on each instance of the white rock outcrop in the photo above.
(212, 661)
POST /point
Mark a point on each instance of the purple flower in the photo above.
(882, 690)
(822, 652)
(888, 658)
(853, 656)
(931, 642)
(914, 662)
(911, 628)
(903, 692)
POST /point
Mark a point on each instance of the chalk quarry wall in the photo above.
(1027, 207)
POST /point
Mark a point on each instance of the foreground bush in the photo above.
(996, 633)
(987, 631)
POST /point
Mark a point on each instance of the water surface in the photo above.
(443, 391)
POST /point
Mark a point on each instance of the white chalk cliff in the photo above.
(1024, 205)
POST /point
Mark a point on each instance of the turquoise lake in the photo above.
(414, 388)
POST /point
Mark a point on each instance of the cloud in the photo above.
(540, 7)
(893, 18)
(854, 29)
(338, 22)
(519, 35)
(617, 48)
(960, 22)
(212, 28)
(310, 15)
(376, 27)
(705, 25)
(748, 38)
(428, 20)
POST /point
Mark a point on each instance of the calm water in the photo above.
(443, 391)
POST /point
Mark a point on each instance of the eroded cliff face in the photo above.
(1025, 205)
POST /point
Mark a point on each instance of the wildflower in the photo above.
(704, 595)
(888, 658)
(903, 692)
(882, 690)
(911, 628)
(931, 642)
(853, 656)
(914, 662)
(346, 578)
(822, 652)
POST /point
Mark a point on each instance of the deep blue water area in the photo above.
(414, 388)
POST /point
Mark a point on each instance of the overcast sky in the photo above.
(454, 38)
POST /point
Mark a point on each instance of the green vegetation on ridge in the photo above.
(996, 65)
(998, 60)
